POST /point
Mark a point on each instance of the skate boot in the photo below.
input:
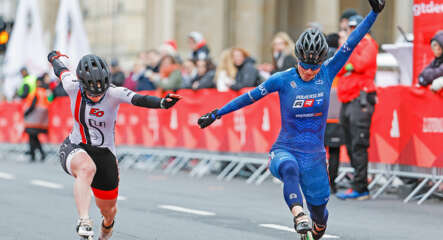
(84, 229)
(106, 231)
(318, 231)
(302, 226)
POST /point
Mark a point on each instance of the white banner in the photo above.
(25, 48)
(70, 35)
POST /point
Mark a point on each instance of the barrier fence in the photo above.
(406, 136)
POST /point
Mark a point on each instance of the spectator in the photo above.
(344, 19)
(226, 71)
(315, 25)
(433, 73)
(197, 43)
(333, 43)
(282, 53)
(117, 75)
(169, 47)
(282, 49)
(189, 72)
(137, 79)
(152, 60)
(170, 76)
(356, 90)
(36, 101)
(247, 75)
(344, 27)
(131, 79)
(205, 75)
(334, 135)
(28, 85)
(143, 80)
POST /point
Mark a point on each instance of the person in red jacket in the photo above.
(356, 90)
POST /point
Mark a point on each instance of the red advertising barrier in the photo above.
(428, 20)
(407, 125)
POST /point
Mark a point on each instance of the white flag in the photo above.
(70, 35)
(25, 47)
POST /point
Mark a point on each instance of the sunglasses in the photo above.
(94, 94)
(307, 66)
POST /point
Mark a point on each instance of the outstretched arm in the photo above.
(124, 95)
(335, 63)
(155, 102)
(269, 86)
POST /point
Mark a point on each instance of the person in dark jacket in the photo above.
(433, 73)
(205, 75)
(282, 53)
(197, 43)
(247, 75)
(334, 135)
(117, 75)
(356, 90)
(333, 43)
(152, 60)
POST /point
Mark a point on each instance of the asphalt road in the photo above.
(36, 202)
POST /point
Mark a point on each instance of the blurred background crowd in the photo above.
(171, 45)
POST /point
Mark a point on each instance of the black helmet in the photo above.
(94, 75)
(311, 47)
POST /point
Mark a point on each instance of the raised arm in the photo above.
(62, 72)
(335, 63)
(269, 86)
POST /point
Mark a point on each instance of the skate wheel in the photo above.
(309, 236)
(87, 238)
(306, 236)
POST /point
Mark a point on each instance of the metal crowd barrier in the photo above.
(200, 163)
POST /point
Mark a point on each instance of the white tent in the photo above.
(25, 48)
(70, 35)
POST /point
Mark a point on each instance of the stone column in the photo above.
(403, 16)
(248, 21)
(324, 12)
(206, 17)
(159, 22)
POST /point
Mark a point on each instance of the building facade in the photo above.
(118, 28)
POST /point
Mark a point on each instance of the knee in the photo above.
(288, 169)
(87, 170)
(109, 211)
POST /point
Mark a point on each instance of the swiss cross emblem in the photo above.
(309, 103)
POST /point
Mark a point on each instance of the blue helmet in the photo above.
(355, 20)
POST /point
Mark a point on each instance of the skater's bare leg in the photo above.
(83, 169)
(108, 209)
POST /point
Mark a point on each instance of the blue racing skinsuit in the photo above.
(298, 157)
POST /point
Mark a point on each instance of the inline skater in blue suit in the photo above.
(298, 157)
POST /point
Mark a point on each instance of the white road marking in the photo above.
(284, 228)
(6, 176)
(46, 184)
(186, 210)
(121, 198)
